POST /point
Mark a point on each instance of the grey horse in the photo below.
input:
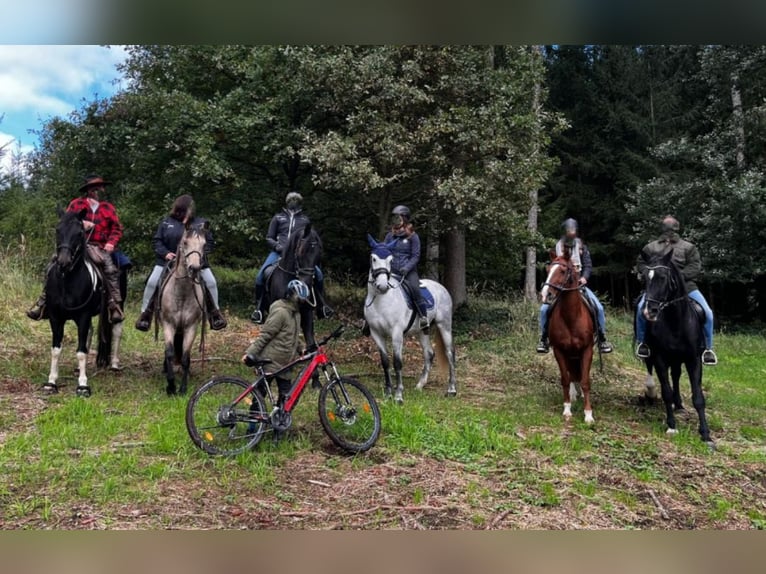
(182, 305)
(388, 316)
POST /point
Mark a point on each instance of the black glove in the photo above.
(250, 361)
(310, 349)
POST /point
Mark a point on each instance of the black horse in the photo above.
(299, 261)
(74, 293)
(675, 337)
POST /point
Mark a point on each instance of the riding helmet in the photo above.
(570, 224)
(402, 210)
(298, 288)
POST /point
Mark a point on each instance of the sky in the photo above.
(40, 82)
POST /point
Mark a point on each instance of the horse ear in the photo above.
(668, 257)
(644, 256)
(59, 211)
(307, 230)
(552, 254)
(372, 241)
(82, 214)
(206, 225)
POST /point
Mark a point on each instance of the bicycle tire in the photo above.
(225, 432)
(351, 421)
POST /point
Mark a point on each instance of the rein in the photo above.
(301, 271)
(662, 304)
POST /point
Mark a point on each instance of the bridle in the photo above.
(567, 278)
(76, 253)
(305, 274)
(662, 304)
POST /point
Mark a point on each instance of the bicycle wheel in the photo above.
(217, 424)
(349, 414)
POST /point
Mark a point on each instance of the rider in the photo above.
(686, 256)
(406, 252)
(104, 232)
(165, 242)
(583, 264)
(290, 220)
(279, 340)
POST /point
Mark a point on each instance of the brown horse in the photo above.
(570, 330)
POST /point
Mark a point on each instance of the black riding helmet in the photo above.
(400, 215)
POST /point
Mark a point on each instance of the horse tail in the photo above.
(104, 335)
(442, 360)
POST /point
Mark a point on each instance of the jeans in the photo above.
(699, 298)
(272, 258)
(154, 280)
(544, 308)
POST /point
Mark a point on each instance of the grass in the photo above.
(500, 455)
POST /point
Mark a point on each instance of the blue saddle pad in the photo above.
(427, 297)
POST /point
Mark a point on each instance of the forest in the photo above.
(491, 147)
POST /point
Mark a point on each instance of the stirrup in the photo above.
(643, 351)
(712, 358)
(257, 317)
(217, 320)
(543, 347)
(605, 347)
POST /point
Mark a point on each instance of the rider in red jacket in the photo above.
(104, 233)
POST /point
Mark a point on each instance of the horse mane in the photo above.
(666, 260)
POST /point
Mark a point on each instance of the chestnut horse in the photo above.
(570, 330)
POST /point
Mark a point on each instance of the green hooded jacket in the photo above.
(686, 256)
(279, 340)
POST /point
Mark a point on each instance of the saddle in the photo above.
(269, 271)
(426, 294)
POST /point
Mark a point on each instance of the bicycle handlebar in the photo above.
(334, 335)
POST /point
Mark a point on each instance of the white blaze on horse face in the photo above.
(651, 274)
(546, 288)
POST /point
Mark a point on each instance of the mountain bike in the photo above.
(228, 415)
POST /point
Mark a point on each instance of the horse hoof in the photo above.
(399, 401)
(711, 445)
(117, 368)
(83, 391)
(182, 391)
(171, 391)
(451, 393)
(671, 431)
(50, 388)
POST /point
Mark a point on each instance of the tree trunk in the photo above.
(530, 277)
(739, 121)
(454, 271)
(432, 251)
(384, 208)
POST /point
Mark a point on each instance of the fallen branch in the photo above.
(319, 483)
(498, 519)
(658, 504)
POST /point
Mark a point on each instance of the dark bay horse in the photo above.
(299, 260)
(570, 331)
(75, 293)
(675, 337)
(182, 305)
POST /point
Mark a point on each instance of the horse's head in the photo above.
(191, 250)
(381, 259)
(307, 247)
(70, 238)
(663, 284)
(562, 276)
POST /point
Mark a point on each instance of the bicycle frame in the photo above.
(316, 360)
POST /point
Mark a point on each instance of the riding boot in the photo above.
(145, 320)
(259, 315)
(115, 297)
(38, 310)
(604, 346)
(217, 320)
(420, 305)
(543, 346)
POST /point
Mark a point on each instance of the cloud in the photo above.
(51, 80)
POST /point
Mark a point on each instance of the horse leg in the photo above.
(566, 381)
(189, 336)
(170, 356)
(114, 360)
(83, 332)
(385, 363)
(57, 332)
(428, 359)
(307, 325)
(397, 341)
(650, 390)
(445, 331)
(667, 395)
(675, 373)
(585, 364)
(694, 369)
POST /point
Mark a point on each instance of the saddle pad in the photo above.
(92, 272)
(427, 297)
